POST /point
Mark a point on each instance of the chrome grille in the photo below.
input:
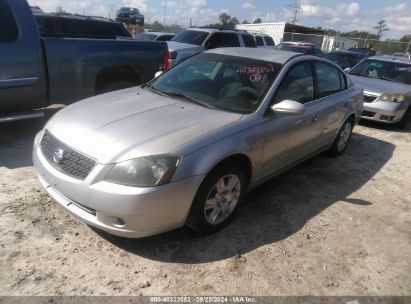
(369, 98)
(64, 158)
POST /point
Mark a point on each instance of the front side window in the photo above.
(8, 25)
(229, 83)
(297, 85)
(269, 41)
(328, 79)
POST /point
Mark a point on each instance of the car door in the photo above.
(333, 98)
(21, 86)
(289, 138)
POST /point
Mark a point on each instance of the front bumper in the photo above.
(117, 209)
(383, 111)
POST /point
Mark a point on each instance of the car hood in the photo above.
(134, 122)
(379, 86)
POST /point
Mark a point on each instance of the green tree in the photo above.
(381, 27)
(245, 22)
(258, 20)
(225, 19)
(234, 21)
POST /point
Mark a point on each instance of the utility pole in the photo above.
(165, 7)
(296, 8)
(191, 22)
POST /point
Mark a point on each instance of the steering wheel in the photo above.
(249, 92)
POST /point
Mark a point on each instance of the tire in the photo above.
(117, 85)
(405, 118)
(201, 217)
(343, 138)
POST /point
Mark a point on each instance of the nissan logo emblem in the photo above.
(58, 156)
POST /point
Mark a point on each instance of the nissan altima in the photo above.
(186, 147)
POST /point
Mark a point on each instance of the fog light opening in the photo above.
(118, 222)
(387, 117)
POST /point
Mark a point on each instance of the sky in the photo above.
(336, 14)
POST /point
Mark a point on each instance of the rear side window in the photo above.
(218, 40)
(249, 40)
(54, 26)
(328, 78)
(269, 41)
(8, 26)
(259, 40)
(297, 85)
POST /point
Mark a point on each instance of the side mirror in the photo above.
(347, 70)
(288, 107)
(158, 74)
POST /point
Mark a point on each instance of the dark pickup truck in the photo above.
(39, 71)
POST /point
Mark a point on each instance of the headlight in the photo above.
(146, 171)
(392, 97)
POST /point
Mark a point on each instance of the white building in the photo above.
(332, 43)
(283, 31)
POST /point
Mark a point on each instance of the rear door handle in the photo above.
(315, 119)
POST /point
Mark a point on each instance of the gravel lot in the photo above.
(331, 226)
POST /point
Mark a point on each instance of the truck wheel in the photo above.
(117, 85)
(217, 198)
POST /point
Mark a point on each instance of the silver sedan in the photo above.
(185, 148)
(386, 81)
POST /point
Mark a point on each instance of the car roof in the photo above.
(157, 33)
(213, 30)
(277, 56)
(346, 53)
(391, 58)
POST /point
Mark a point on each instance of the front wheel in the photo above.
(217, 198)
(343, 137)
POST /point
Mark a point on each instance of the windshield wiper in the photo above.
(385, 78)
(189, 98)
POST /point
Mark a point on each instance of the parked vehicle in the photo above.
(75, 26)
(366, 51)
(345, 59)
(185, 148)
(304, 49)
(286, 44)
(154, 36)
(195, 40)
(387, 88)
(263, 41)
(38, 71)
(402, 55)
(130, 15)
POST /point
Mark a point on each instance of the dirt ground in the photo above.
(331, 226)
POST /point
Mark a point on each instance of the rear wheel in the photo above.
(217, 199)
(343, 137)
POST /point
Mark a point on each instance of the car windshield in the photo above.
(292, 48)
(229, 83)
(342, 59)
(192, 37)
(145, 36)
(387, 70)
